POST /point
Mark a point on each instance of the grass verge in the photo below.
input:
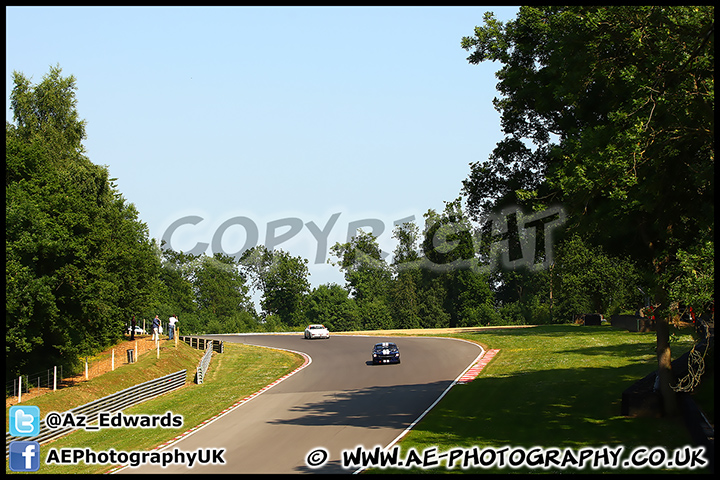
(554, 386)
(233, 375)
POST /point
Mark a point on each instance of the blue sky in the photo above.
(273, 113)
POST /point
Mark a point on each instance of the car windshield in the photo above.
(316, 327)
(383, 346)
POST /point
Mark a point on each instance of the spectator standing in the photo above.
(156, 328)
(171, 326)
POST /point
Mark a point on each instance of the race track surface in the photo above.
(337, 402)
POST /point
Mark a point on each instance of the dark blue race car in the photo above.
(385, 352)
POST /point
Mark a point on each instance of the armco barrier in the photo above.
(207, 344)
(204, 363)
(201, 343)
(111, 403)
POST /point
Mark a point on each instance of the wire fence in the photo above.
(25, 383)
(38, 383)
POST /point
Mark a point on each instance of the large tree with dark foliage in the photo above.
(610, 112)
(79, 263)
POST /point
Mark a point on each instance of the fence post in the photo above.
(20, 389)
(54, 378)
(86, 368)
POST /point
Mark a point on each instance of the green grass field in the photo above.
(554, 386)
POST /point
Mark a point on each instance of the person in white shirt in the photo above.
(171, 326)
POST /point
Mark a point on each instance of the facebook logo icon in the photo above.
(24, 456)
(24, 421)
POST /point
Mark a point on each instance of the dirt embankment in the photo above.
(97, 365)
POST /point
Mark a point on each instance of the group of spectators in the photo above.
(172, 321)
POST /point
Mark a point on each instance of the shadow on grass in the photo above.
(571, 408)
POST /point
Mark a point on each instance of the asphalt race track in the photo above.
(338, 401)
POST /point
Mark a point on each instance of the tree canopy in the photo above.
(79, 261)
(610, 112)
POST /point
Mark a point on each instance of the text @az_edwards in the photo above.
(55, 420)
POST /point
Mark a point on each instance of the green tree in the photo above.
(432, 300)
(366, 272)
(332, 306)
(220, 288)
(406, 285)
(452, 266)
(368, 278)
(692, 276)
(286, 287)
(79, 263)
(609, 110)
(282, 279)
(175, 294)
(448, 241)
(587, 280)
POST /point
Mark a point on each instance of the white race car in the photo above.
(316, 331)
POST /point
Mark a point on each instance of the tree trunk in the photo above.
(662, 328)
(664, 359)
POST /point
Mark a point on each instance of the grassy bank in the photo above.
(553, 386)
(238, 372)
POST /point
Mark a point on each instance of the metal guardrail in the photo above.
(204, 363)
(111, 403)
(201, 343)
(209, 345)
